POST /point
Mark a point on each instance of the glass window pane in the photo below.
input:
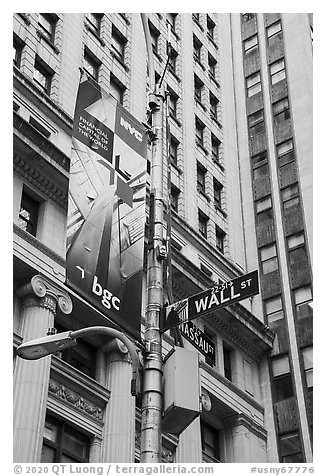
(276, 316)
(273, 305)
(75, 444)
(307, 354)
(276, 67)
(48, 454)
(280, 366)
(261, 171)
(273, 29)
(268, 252)
(309, 378)
(50, 431)
(302, 295)
(295, 240)
(263, 204)
(284, 148)
(270, 265)
(290, 192)
(290, 444)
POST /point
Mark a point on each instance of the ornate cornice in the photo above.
(41, 142)
(62, 392)
(21, 81)
(39, 245)
(49, 293)
(39, 181)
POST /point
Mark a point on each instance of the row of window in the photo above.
(250, 45)
(277, 74)
(63, 443)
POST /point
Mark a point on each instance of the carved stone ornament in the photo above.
(43, 288)
(205, 400)
(84, 405)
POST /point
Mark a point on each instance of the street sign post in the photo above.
(212, 299)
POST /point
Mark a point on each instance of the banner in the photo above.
(106, 212)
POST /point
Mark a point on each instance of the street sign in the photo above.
(198, 339)
(212, 299)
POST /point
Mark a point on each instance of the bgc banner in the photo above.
(106, 213)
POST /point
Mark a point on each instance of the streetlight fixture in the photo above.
(51, 344)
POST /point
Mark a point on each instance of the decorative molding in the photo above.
(39, 181)
(249, 425)
(23, 81)
(43, 288)
(39, 245)
(116, 351)
(62, 392)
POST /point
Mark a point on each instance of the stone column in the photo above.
(189, 447)
(119, 424)
(40, 299)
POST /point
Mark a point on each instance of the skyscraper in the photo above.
(238, 134)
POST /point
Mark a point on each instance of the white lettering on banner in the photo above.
(107, 296)
(131, 129)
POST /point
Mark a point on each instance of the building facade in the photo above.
(240, 147)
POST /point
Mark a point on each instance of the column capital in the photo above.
(116, 351)
(41, 287)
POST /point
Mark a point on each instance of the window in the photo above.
(201, 175)
(268, 256)
(210, 28)
(264, 210)
(202, 223)
(274, 309)
(290, 197)
(118, 44)
(261, 172)
(285, 152)
(199, 85)
(174, 143)
(273, 30)
(94, 22)
(290, 447)
(47, 23)
(302, 299)
(199, 133)
(282, 378)
(307, 354)
(171, 18)
(296, 240)
(197, 48)
(210, 441)
(173, 103)
(251, 44)
(63, 444)
(42, 76)
(281, 111)
(154, 38)
(258, 159)
(220, 237)
(175, 193)
(91, 64)
(217, 186)
(213, 103)
(17, 51)
(227, 362)
(117, 89)
(256, 123)
(212, 63)
(28, 214)
(253, 84)
(215, 148)
(173, 61)
(277, 71)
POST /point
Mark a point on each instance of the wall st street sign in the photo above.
(198, 339)
(212, 299)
